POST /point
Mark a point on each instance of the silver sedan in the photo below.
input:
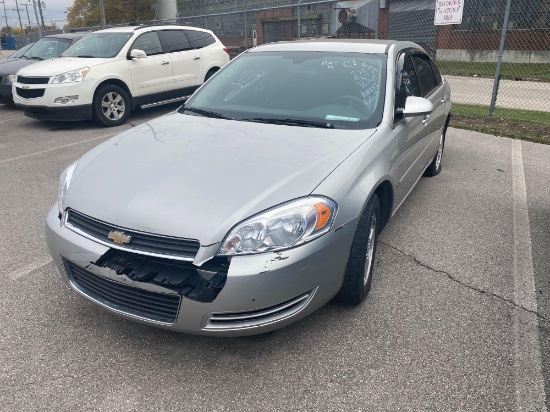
(262, 197)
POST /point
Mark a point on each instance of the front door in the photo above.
(152, 74)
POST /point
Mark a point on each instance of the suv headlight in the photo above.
(72, 76)
(281, 227)
(64, 183)
(8, 79)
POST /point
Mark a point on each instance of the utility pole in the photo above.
(36, 15)
(102, 12)
(41, 16)
(19, 15)
(28, 16)
(6, 16)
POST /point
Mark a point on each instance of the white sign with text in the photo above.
(448, 12)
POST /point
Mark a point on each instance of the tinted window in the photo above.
(408, 85)
(149, 43)
(199, 38)
(437, 75)
(424, 74)
(174, 41)
(343, 89)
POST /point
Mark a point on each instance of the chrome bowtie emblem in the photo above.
(119, 237)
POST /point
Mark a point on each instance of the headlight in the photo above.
(284, 226)
(8, 79)
(64, 183)
(72, 76)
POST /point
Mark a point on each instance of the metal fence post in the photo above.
(299, 21)
(102, 13)
(499, 60)
(245, 32)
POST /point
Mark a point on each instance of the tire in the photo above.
(358, 275)
(435, 166)
(111, 106)
(209, 74)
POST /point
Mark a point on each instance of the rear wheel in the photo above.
(111, 106)
(358, 276)
(209, 74)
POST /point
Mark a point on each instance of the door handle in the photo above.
(444, 100)
(425, 120)
(196, 58)
(164, 63)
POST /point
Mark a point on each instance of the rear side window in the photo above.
(437, 75)
(424, 73)
(174, 41)
(199, 39)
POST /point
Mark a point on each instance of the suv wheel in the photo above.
(111, 106)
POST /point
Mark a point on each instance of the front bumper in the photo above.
(39, 100)
(261, 293)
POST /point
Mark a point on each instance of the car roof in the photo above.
(338, 45)
(132, 28)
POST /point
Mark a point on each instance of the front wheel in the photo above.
(358, 276)
(111, 106)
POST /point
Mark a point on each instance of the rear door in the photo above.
(152, 74)
(186, 61)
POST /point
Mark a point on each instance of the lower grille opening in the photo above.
(259, 317)
(29, 93)
(159, 307)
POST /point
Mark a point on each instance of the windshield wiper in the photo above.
(36, 58)
(291, 122)
(86, 56)
(205, 113)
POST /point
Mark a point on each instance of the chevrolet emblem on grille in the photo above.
(119, 237)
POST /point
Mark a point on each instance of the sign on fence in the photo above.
(448, 12)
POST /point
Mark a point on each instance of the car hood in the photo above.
(12, 66)
(58, 65)
(196, 177)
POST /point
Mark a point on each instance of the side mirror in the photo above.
(417, 106)
(137, 54)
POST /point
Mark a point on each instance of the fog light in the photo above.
(66, 99)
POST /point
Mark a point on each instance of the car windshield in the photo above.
(21, 51)
(98, 45)
(47, 48)
(312, 89)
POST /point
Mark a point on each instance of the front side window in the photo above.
(424, 73)
(408, 85)
(149, 43)
(47, 48)
(199, 39)
(98, 45)
(344, 90)
(175, 41)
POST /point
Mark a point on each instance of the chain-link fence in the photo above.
(466, 53)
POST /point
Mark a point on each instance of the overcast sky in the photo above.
(54, 11)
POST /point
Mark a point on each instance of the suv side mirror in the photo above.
(416, 106)
(137, 54)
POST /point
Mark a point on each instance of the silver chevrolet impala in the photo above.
(262, 197)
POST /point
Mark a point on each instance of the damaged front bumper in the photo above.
(242, 295)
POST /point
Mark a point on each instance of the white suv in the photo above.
(110, 72)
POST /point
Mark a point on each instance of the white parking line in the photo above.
(530, 395)
(57, 148)
(25, 270)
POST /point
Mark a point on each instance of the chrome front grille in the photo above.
(146, 242)
(141, 303)
(236, 320)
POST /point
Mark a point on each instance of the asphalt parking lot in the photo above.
(458, 317)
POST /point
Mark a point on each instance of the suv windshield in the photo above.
(47, 48)
(98, 45)
(315, 89)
